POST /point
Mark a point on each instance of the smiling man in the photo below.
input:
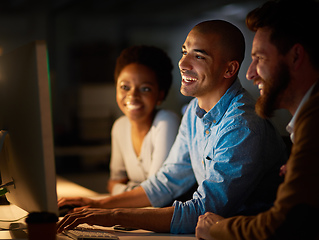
(285, 67)
(222, 146)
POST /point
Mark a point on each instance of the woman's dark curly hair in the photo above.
(153, 58)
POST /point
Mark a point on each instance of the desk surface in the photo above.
(67, 188)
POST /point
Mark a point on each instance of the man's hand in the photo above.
(91, 216)
(78, 201)
(153, 219)
(204, 224)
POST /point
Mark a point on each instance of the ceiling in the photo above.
(163, 11)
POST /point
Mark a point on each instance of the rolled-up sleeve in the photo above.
(229, 153)
(175, 177)
(226, 186)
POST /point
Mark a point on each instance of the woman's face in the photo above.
(137, 92)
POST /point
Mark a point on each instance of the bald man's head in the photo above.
(231, 38)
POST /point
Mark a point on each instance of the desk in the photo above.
(66, 188)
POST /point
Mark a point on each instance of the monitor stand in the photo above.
(3, 200)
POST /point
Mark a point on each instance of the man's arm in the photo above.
(111, 183)
(157, 219)
(135, 198)
(297, 201)
(130, 199)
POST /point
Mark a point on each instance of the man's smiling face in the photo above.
(269, 72)
(202, 65)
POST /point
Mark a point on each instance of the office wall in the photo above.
(83, 45)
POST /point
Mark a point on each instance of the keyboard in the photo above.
(89, 234)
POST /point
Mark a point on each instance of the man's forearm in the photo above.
(157, 219)
(135, 198)
(153, 219)
(112, 183)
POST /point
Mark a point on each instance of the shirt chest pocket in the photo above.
(212, 172)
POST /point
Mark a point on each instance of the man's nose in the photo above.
(184, 63)
(251, 72)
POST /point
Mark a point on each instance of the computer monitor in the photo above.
(26, 137)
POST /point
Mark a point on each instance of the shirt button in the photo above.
(207, 132)
(214, 121)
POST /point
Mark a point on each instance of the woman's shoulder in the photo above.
(120, 123)
(164, 114)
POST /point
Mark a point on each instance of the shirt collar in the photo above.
(291, 124)
(216, 113)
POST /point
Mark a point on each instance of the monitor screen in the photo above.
(26, 136)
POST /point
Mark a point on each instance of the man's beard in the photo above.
(272, 92)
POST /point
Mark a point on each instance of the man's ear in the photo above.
(232, 69)
(296, 54)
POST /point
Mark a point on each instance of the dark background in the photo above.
(84, 38)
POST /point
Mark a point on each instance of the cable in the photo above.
(7, 184)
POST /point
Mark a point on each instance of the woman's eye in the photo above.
(124, 87)
(145, 89)
(184, 53)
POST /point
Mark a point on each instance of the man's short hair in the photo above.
(290, 22)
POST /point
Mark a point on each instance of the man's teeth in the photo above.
(260, 86)
(189, 79)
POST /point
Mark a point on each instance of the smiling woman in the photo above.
(143, 137)
(137, 93)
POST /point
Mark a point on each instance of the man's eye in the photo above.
(184, 53)
(199, 57)
(258, 58)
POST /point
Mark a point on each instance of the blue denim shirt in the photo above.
(229, 151)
